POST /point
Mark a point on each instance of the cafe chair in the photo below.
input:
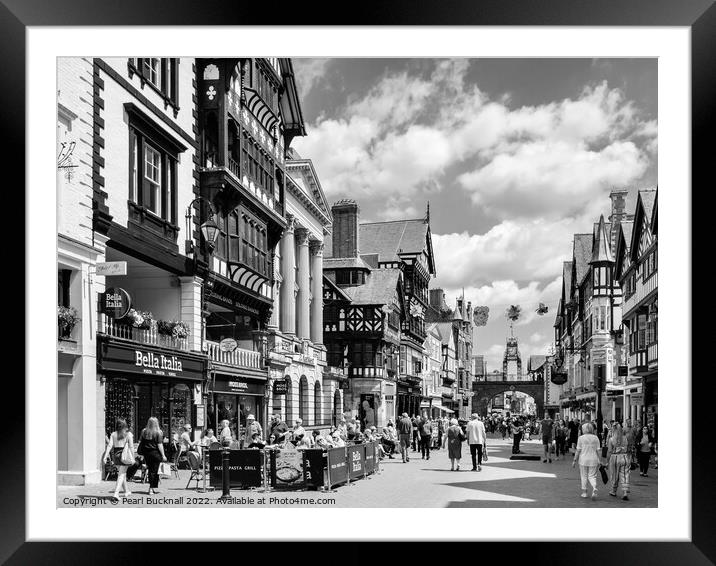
(174, 465)
(215, 446)
(197, 468)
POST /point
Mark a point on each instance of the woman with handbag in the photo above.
(120, 450)
(619, 459)
(455, 438)
(587, 456)
(151, 445)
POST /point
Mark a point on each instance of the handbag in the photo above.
(484, 454)
(127, 458)
(603, 471)
(165, 469)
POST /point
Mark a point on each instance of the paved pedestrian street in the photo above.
(418, 483)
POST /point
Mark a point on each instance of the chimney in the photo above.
(345, 228)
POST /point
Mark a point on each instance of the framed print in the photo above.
(401, 242)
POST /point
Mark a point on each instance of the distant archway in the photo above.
(484, 391)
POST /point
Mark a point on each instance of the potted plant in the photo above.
(141, 319)
(173, 328)
(67, 317)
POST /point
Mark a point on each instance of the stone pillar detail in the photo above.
(317, 293)
(288, 261)
(304, 286)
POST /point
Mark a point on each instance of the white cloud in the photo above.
(539, 161)
(309, 72)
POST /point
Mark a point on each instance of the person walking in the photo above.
(618, 461)
(405, 430)
(560, 439)
(279, 429)
(477, 439)
(573, 434)
(455, 437)
(426, 434)
(516, 431)
(644, 447)
(441, 432)
(415, 444)
(547, 427)
(587, 456)
(151, 446)
(116, 443)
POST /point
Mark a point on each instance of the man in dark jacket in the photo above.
(279, 429)
(405, 430)
(426, 433)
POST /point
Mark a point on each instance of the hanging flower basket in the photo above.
(143, 320)
(67, 317)
(173, 328)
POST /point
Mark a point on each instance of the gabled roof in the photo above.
(582, 254)
(290, 107)
(644, 208)
(444, 329)
(623, 243)
(344, 263)
(654, 214)
(389, 239)
(327, 282)
(304, 176)
(536, 362)
(601, 248)
(379, 288)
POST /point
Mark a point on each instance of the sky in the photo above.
(513, 155)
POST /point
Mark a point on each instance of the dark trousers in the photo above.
(416, 441)
(516, 443)
(153, 459)
(425, 446)
(643, 458)
(476, 453)
(440, 439)
(561, 445)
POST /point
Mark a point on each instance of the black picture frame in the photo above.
(699, 16)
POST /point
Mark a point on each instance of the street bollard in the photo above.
(225, 483)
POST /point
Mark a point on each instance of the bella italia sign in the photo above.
(125, 358)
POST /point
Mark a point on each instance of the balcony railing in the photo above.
(151, 337)
(238, 358)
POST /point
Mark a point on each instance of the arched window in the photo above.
(317, 403)
(303, 399)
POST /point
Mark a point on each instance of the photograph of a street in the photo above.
(357, 282)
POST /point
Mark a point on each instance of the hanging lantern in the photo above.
(210, 231)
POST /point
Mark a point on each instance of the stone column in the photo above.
(276, 292)
(288, 261)
(317, 293)
(304, 286)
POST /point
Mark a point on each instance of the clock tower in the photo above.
(511, 360)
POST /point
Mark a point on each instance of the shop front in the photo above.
(233, 398)
(409, 398)
(651, 393)
(143, 381)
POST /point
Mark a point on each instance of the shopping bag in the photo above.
(484, 454)
(165, 469)
(603, 471)
(127, 458)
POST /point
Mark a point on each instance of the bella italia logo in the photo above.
(157, 362)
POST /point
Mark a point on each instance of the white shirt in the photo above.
(588, 448)
(476, 432)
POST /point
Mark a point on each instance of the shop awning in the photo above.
(448, 411)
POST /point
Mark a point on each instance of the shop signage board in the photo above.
(337, 465)
(287, 469)
(637, 398)
(244, 468)
(148, 361)
(356, 460)
(559, 377)
(280, 387)
(200, 416)
(623, 371)
(115, 302)
(110, 268)
(369, 464)
(239, 385)
(314, 465)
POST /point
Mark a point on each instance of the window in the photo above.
(265, 87)
(350, 277)
(159, 73)
(152, 71)
(601, 322)
(63, 287)
(153, 179)
(257, 165)
(363, 354)
(649, 265)
(317, 403)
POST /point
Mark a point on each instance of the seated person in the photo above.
(208, 437)
(337, 440)
(256, 441)
(321, 441)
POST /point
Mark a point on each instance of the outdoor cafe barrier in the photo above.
(290, 468)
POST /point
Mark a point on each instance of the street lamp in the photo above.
(209, 228)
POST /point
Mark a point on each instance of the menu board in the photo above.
(287, 468)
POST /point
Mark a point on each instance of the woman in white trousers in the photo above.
(587, 456)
